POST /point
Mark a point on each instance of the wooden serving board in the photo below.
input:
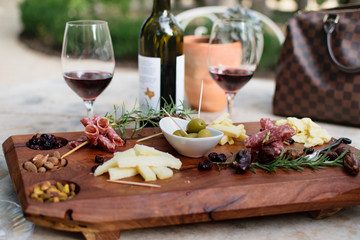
(101, 209)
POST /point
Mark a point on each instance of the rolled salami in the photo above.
(106, 143)
(113, 136)
(92, 133)
(280, 133)
(103, 124)
(80, 140)
(266, 123)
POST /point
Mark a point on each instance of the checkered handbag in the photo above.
(318, 70)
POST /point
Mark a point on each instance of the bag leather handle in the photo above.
(330, 21)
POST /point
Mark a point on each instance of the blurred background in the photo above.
(39, 24)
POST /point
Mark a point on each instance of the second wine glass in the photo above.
(231, 57)
(87, 59)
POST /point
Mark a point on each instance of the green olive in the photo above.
(204, 133)
(179, 133)
(192, 135)
(195, 125)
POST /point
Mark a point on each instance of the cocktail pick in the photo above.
(135, 183)
(174, 121)
(74, 149)
(200, 100)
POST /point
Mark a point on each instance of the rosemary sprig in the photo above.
(284, 161)
(121, 119)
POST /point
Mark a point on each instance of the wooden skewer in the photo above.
(200, 100)
(175, 122)
(73, 150)
(148, 137)
(135, 183)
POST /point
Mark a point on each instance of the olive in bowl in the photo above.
(190, 147)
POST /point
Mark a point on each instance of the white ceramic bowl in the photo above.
(190, 147)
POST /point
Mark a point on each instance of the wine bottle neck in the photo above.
(161, 6)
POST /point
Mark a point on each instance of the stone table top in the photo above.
(50, 106)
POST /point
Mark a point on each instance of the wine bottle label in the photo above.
(150, 82)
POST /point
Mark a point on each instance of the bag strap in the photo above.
(330, 21)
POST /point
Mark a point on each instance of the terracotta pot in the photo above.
(214, 99)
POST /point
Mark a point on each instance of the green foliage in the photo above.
(44, 20)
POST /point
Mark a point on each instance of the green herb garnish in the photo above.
(136, 118)
(284, 161)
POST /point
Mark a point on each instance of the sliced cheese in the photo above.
(113, 161)
(150, 161)
(162, 172)
(146, 173)
(119, 173)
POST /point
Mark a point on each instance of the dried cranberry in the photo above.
(94, 168)
(351, 163)
(266, 154)
(213, 156)
(341, 150)
(332, 155)
(205, 165)
(99, 159)
(308, 150)
(242, 161)
(222, 157)
(290, 141)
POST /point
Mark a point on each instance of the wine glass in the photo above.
(87, 59)
(231, 56)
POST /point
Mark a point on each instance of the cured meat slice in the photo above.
(279, 133)
(92, 133)
(266, 123)
(99, 132)
(80, 140)
(86, 121)
(95, 118)
(113, 136)
(103, 125)
(106, 143)
(278, 147)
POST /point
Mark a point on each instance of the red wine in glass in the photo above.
(88, 84)
(231, 79)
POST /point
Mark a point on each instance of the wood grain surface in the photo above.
(190, 196)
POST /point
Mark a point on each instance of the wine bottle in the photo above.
(161, 59)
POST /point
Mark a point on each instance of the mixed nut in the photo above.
(47, 192)
(43, 163)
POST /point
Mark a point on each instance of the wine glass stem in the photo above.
(229, 97)
(89, 104)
